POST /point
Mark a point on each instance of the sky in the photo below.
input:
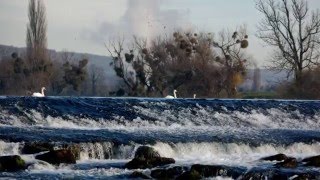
(86, 25)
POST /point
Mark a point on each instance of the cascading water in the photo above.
(107, 132)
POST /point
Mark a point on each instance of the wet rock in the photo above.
(169, 173)
(273, 173)
(217, 170)
(258, 174)
(192, 174)
(75, 150)
(146, 152)
(36, 147)
(148, 163)
(277, 157)
(58, 156)
(147, 157)
(288, 163)
(139, 175)
(304, 176)
(312, 161)
(12, 163)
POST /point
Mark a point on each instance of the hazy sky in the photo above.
(85, 25)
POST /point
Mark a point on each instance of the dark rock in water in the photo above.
(192, 174)
(304, 176)
(58, 156)
(169, 173)
(75, 150)
(275, 173)
(258, 174)
(277, 157)
(12, 163)
(139, 175)
(199, 171)
(36, 147)
(146, 152)
(288, 163)
(312, 161)
(147, 157)
(148, 163)
(217, 170)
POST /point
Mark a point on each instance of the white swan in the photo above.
(174, 95)
(37, 94)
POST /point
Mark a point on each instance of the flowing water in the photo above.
(108, 130)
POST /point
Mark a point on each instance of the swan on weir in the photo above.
(37, 94)
(174, 95)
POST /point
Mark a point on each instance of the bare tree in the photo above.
(120, 61)
(96, 78)
(294, 31)
(38, 61)
(232, 58)
(36, 32)
(185, 61)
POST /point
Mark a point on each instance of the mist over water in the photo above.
(109, 130)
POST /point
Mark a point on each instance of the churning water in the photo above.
(109, 130)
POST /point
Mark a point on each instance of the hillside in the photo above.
(97, 60)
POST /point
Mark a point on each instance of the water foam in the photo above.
(212, 153)
(43, 171)
(105, 150)
(270, 118)
(95, 150)
(232, 154)
(9, 148)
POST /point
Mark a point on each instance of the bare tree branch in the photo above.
(288, 27)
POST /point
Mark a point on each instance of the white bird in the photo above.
(37, 94)
(174, 95)
(194, 96)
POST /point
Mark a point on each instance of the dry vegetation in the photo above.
(187, 61)
(192, 62)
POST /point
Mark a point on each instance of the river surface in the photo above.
(109, 130)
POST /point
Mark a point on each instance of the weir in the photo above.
(117, 113)
(108, 131)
